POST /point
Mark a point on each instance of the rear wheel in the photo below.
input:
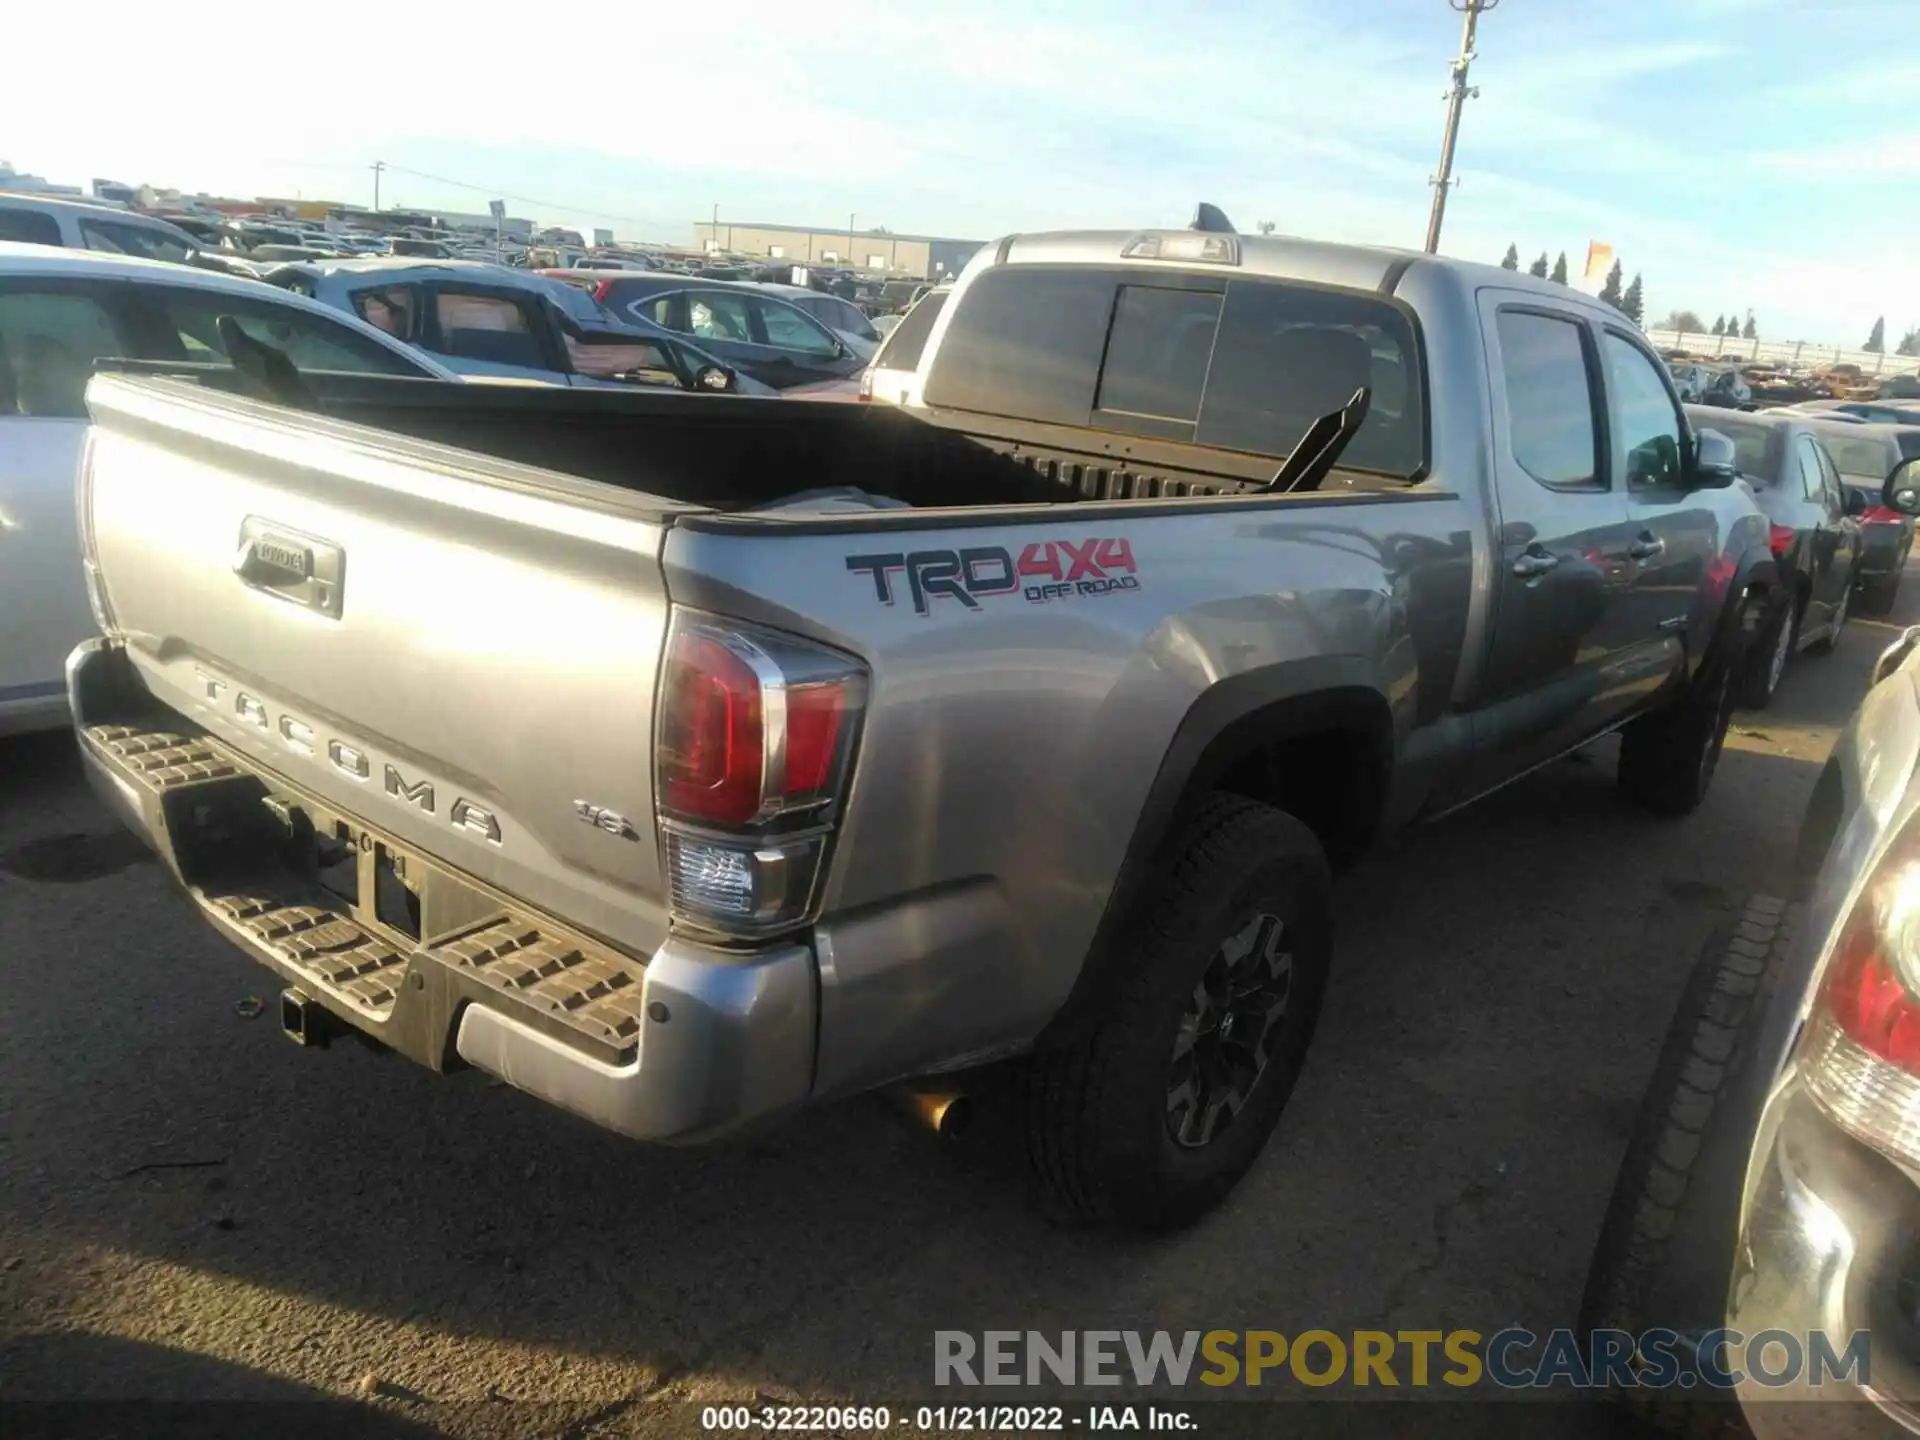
(1667, 759)
(1767, 661)
(1151, 1114)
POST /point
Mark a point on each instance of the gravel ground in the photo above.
(193, 1209)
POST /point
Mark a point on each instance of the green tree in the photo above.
(1719, 325)
(1877, 340)
(1512, 259)
(1560, 268)
(1634, 303)
(1909, 343)
(1610, 292)
(1685, 321)
(1750, 333)
(1539, 267)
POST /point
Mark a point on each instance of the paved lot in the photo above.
(190, 1207)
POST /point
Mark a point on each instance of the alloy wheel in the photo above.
(1229, 1029)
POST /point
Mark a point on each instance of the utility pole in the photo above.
(714, 239)
(1457, 96)
(851, 216)
(377, 167)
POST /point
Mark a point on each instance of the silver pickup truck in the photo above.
(683, 761)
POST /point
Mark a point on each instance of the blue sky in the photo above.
(1738, 153)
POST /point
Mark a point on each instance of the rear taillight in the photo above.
(753, 751)
(601, 290)
(1779, 540)
(1881, 515)
(866, 383)
(1862, 1046)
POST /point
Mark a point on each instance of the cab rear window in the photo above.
(1239, 363)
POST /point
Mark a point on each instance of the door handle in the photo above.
(1646, 547)
(1534, 563)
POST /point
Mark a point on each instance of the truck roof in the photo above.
(1365, 267)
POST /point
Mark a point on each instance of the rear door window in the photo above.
(720, 315)
(50, 336)
(392, 308)
(1548, 376)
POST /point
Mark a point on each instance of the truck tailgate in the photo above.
(460, 652)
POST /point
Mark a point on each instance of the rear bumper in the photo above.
(684, 1044)
(1828, 1230)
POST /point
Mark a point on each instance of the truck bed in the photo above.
(728, 454)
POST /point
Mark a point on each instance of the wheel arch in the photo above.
(1325, 715)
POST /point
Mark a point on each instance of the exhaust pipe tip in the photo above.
(946, 1113)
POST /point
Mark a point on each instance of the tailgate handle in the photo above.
(300, 569)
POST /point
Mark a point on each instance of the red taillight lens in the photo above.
(712, 739)
(1779, 540)
(1865, 996)
(813, 740)
(601, 290)
(1881, 515)
(866, 384)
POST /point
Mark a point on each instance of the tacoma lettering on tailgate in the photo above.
(1046, 570)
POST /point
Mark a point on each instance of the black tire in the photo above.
(1667, 759)
(1672, 1166)
(1098, 1118)
(1876, 596)
(1758, 680)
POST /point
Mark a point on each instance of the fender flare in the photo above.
(1230, 721)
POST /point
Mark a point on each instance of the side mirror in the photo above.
(713, 377)
(1715, 461)
(1902, 490)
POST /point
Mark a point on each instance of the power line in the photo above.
(524, 199)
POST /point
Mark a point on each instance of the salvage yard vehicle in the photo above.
(745, 324)
(1769, 1185)
(77, 225)
(60, 312)
(491, 323)
(1866, 454)
(1812, 529)
(578, 737)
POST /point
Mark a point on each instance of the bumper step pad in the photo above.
(323, 945)
(572, 988)
(163, 760)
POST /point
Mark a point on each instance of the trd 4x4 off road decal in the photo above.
(1046, 570)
